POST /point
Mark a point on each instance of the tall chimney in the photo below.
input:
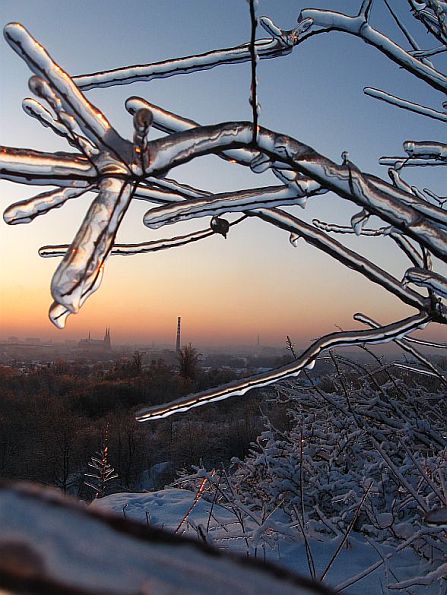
(178, 345)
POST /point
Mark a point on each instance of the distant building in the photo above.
(178, 343)
(96, 344)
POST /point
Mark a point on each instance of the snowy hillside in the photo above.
(166, 508)
(49, 544)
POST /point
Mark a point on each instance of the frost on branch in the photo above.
(117, 171)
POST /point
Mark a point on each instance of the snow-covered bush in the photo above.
(337, 444)
(364, 456)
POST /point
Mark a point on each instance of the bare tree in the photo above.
(119, 170)
(188, 362)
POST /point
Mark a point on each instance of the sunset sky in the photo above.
(254, 282)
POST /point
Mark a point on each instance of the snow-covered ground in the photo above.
(51, 544)
(167, 508)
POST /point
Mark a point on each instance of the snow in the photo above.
(163, 508)
(54, 542)
(166, 508)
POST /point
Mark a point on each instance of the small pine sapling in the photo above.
(103, 472)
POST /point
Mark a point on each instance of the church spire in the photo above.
(107, 341)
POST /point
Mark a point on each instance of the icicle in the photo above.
(358, 221)
(301, 185)
(260, 163)
(92, 243)
(293, 239)
(142, 121)
(58, 313)
(424, 278)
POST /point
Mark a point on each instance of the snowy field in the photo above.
(50, 544)
(167, 508)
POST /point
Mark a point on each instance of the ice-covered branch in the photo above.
(27, 210)
(422, 53)
(45, 169)
(253, 59)
(156, 195)
(90, 120)
(328, 20)
(432, 15)
(404, 211)
(142, 247)
(426, 580)
(306, 359)
(130, 249)
(403, 344)
(414, 369)
(426, 149)
(228, 202)
(411, 40)
(280, 44)
(119, 170)
(347, 229)
(403, 242)
(322, 241)
(400, 162)
(405, 104)
(429, 279)
(36, 110)
(310, 22)
(426, 343)
(170, 123)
